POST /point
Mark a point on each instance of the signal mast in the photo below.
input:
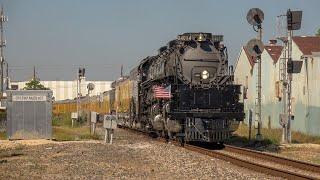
(289, 67)
(255, 48)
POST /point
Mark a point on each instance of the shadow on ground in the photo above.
(264, 145)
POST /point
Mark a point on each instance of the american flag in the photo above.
(162, 92)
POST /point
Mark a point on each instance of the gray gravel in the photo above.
(273, 164)
(131, 156)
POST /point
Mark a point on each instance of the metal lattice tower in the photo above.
(283, 77)
(3, 19)
(284, 82)
(289, 105)
(258, 89)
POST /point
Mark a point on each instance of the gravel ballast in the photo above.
(132, 156)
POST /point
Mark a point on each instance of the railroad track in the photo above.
(280, 160)
(279, 172)
(224, 154)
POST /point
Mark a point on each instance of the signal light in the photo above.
(81, 72)
(294, 20)
(294, 66)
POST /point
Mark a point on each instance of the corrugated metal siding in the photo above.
(29, 119)
(305, 92)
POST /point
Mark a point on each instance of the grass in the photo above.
(63, 120)
(3, 135)
(73, 134)
(62, 130)
(272, 136)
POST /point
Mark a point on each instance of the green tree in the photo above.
(318, 32)
(34, 84)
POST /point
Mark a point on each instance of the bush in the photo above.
(62, 120)
(65, 120)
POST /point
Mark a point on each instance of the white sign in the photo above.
(74, 115)
(109, 122)
(94, 117)
(28, 98)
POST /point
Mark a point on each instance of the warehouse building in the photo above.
(305, 91)
(68, 89)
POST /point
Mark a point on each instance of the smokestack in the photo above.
(272, 41)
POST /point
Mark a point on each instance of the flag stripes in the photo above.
(162, 92)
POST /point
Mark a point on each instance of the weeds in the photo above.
(66, 121)
(3, 135)
(272, 136)
(62, 130)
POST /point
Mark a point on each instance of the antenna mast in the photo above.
(121, 73)
(34, 72)
(3, 19)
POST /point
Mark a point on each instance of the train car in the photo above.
(109, 102)
(123, 97)
(64, 106)
(102, 104)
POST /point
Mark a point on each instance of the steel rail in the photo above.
(280, 160)
(248, 164)
(238, 161)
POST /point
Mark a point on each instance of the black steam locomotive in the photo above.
(186, 91)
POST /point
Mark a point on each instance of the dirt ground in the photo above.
(130, 157)
(304, 152)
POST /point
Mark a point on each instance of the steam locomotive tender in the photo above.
(186, 91)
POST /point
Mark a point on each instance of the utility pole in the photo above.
(3, 19)
(7, 76)
(80, 75)
(77, 96)
(34, 72)
(121, 71)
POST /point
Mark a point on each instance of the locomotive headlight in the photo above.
(205, 74)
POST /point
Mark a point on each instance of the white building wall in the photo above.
(68, 89)
(270, 102)
(305, 91)
(243, 74)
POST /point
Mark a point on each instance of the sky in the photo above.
(59, 36)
